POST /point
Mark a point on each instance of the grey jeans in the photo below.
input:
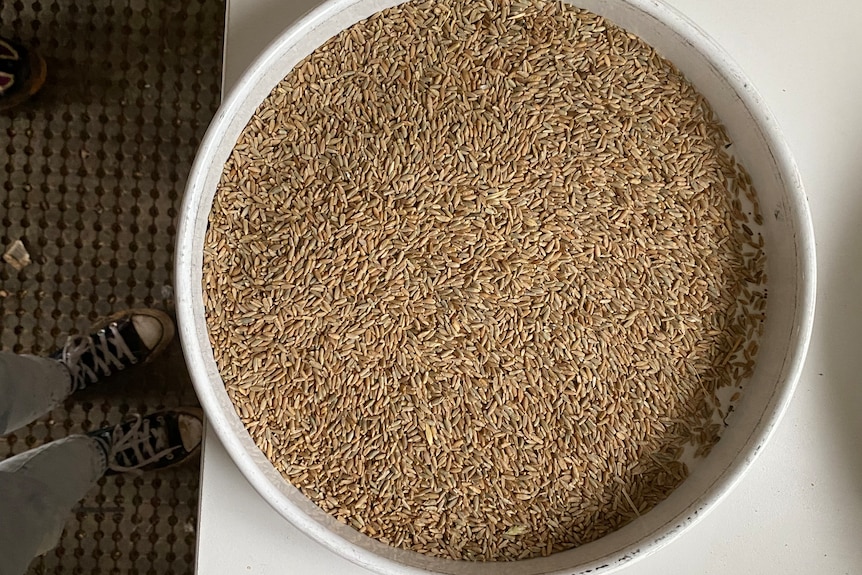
(39, 487)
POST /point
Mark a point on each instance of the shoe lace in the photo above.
(141, 445)
(103, 358)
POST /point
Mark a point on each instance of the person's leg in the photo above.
(37, 491)
(38, 488)
(29, 387)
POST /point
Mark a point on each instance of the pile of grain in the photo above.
(474, 273)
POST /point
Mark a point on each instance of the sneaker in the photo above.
(22, 73)
(155, 441)
(125, 339)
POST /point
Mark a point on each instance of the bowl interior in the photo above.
(790, 269)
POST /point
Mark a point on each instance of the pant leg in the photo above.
(30, 386)
(38, 489)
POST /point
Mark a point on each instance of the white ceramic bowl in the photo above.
(790, 267)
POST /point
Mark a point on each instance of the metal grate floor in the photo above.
(93, 170)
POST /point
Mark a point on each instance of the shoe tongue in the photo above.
(158, 438)
(170, 432)
(133, 341)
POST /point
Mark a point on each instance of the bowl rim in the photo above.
(188, 272)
